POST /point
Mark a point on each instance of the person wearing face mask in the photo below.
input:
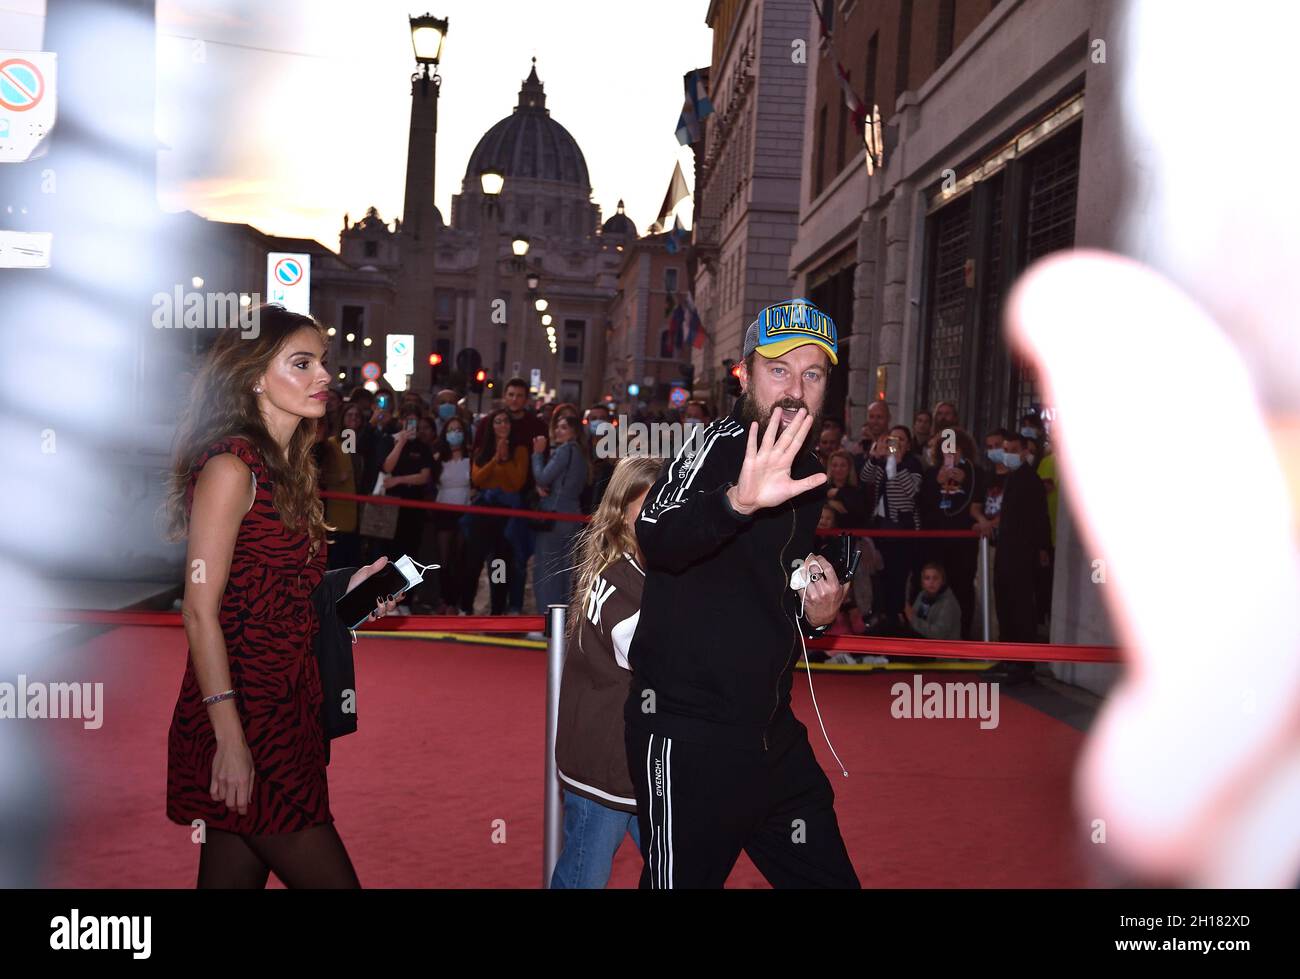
(445, 408)
(951, 498)
(600, 464)
(1023, 541)
(993, 450)
(1031, 427)
(453, 486)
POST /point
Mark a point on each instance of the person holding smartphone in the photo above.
(407, 469)
(246, 751)
(892, 477)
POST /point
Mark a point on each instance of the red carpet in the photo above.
(451, 742)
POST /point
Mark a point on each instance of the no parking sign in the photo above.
(27, 103)
(288, 281)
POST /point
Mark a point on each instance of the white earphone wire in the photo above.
(803, 594)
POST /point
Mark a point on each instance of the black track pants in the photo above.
(699, 805)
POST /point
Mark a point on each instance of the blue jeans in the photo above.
(552, 565)
(521, 538)
(592, 834)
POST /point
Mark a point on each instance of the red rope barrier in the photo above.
(457, 623)
(497, 511)
(1035, 652)
(390, 623)
(836, 642)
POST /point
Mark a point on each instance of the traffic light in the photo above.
(435, 367)
(733, 377)
(480, 377)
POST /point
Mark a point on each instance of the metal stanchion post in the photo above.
(984, 584)
(552, 829)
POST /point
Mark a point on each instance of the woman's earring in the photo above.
(257, 390)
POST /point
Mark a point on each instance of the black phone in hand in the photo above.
(843, 553)
(395, 578)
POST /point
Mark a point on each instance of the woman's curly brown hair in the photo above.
(223, 404)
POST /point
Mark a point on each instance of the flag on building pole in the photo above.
(668, 339)
(822, 21)
(688, 127)
(851, 101)
(697, 95)
(676, 238)
(695, 334)
(695, 109)
(676, 191)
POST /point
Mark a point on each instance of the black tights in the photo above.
(313, 858)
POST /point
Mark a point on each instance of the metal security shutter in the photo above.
(834, 297)
(1053, 192)
(948, 296)
(988, 402)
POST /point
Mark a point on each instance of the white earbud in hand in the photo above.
(804, 575)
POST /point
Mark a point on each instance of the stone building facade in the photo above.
(750, 162)
(997, 122)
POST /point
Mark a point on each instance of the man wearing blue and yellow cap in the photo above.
(719, 761)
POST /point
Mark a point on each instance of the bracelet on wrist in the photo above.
(217, 698)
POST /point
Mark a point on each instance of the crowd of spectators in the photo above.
(933, 476)
(514, 454)
(544, 458)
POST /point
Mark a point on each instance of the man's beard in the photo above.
(750, 412)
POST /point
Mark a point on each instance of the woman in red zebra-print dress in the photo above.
(245, 752)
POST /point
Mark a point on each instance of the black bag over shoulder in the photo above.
(333, 650)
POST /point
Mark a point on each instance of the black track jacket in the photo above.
(715, 647)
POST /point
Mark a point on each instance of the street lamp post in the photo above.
(415, 290)
(491, 182)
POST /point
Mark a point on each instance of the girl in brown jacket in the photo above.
(599, 802)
